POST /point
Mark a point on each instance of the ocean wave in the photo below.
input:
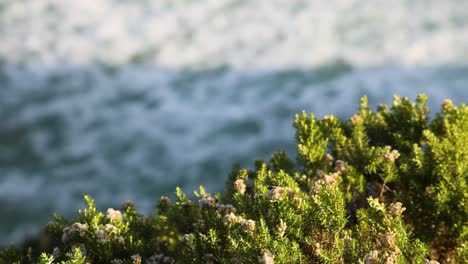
(239, 33)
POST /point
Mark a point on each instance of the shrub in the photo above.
(383, 187)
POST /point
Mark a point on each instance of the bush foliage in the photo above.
(383, 187)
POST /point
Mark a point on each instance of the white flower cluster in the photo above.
(239, 185)
(207, 202)
(186, 238)
(390, 156)
(389, 240)
(329, 159)
(75, 229)
(390, 252)
(356, 119)
(119, 240)
(107, 232)
(282, 227)
(371, 257)
(231, 218)
(248, 224)
(101, 236)
(297, 201)
(266, 258)
(277, 193)
(396, 208)
(327, 179)
(114, 215)
(317, 248)
(341, 166)
(447, 103)
(225, 209)
(324, 179)
(111, 229)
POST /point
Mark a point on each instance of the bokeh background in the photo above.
(127, 99)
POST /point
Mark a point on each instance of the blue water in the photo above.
(138, 97)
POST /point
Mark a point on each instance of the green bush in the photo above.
(383, 187)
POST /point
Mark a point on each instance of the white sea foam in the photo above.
(266, 33)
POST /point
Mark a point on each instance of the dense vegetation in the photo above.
(383, 187)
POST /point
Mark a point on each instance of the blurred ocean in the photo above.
(127, 99)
